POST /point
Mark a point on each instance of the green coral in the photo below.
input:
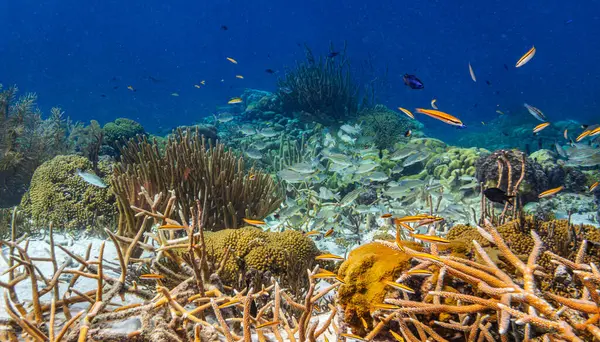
(121, 129)
(58, 195)
(385, 126)
(450, 165)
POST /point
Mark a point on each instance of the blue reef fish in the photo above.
(412, 81)
(91, 178)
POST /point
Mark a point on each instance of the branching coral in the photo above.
(182, 312)
(482, 299)
(195, 170)
(323, 89)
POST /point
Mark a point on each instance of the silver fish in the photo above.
(378, 176)
(291, 176)
(340, 159)
(351, 197)
(91, 178)
(352, 130)
(367, 167)
(259, 145)
(247, 130)
(302, 168)
(535, 112)
(561, 152)
(269, 132)
(416, 158)
(327, 194)
(346, 138)
(254, 153)
(224, 117)
(402, 153)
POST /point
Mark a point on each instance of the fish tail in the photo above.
(509, 200)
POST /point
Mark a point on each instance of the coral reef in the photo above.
(323, 89)
(183, 312)
(26, 141)
(498, 166)
(454, 163)
(385, 126)
(285, 255)
(195, 170)
(558, 174)
(364, 273)
(121, 130)
(59, 196)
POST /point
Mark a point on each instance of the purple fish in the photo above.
(412, 81)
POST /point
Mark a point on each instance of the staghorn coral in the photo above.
(385, 126)
(481, 299)
(181, 312)
(322, 89)
(196, 170)
(58, 195)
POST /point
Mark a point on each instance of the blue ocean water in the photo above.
(82, 56)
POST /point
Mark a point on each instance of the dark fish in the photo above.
(505, 66)
(102, 95)
(224, 28)
(253, 308)
(333, 54)
(116, 87)
(412, 81)
(497, 195)
(269, 71)
(488, 83)
(408, 133)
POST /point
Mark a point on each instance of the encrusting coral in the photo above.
(196, 170)
(58, 195)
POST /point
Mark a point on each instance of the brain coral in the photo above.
(58, 195)
(253, 248)
(364, 273)
(453, 163)
(121, 129)
(386, 126)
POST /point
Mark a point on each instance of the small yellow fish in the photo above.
(582, 135)
(356, 337)
(526, 57)
(540, 127)
(231, 303)
(397, 336)
(405, 226)
(266, 325)
(427, 256)
(483, 123)
(430, 238)
(171, 227)
(420, 272)
(407, 112)
(252, 177)
(551, 192)
(364, 323)
(324, 275)
(328, 233)
(415, 218)
(444, 117)
(239, 76)
(152, 276)
(566, 134)
(254, 222)
(433, 104)
(232, 60)
(329, 256)
(594, 186)
(472, 73)
(595, 132)
(388, 215)
(383, 306)
(175, 94)
(197, 86)
(131, 88)
(235, 100)
(312, 232)
(500, 112)
(399, 286)
(203, 82)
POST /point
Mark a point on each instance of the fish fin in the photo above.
(509, 200)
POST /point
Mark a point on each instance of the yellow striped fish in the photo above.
(407, 112)
(171, 227)
(526, 57)
(594, 186)
(430, 238)
(444, 117)
(551, 192)
(399, 286)
(540, 127)
(232, 60)
(235, 100)
(329, 256)
(152, 276)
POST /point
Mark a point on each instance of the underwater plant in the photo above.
(26, 141)
(194, 169)
(385, 126)
(322, 89)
